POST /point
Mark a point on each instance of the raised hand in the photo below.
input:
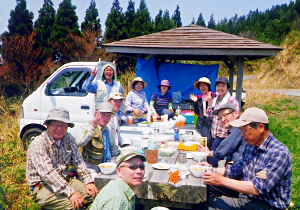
(94, 71)
(96, 119)
(193, 97)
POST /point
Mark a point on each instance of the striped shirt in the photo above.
(217, 129)
(273, 159)
(116, 195)
(161, 101)
(137, 100)
(47, 162)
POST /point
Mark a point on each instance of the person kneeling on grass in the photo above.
(48, 158)
(118, 194)
(263, 175)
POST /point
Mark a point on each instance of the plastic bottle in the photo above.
(178, 111)
(176, 134)
(152, 156)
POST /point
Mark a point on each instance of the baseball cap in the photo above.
(59, 114)
(127, 155)
(224, 106)
(250, 115)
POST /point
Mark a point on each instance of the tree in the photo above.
(211, 23)
(44, 24)
(115, 24)
(129, 18)
(22, 67)
(200, 21)
(158, 22)
(168, 23)
(66, 22)
(176, 17)
(20, 21)
(91, 20)
(142, 24)
(297, 6)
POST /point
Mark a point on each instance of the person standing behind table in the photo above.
(136, 100)
(104, 86)
(233, 146)
(97, 143)
(118, 194)
(263, 175)
(218, 131)
(200, 104)
(115, 99)
(161, 100)
(48, 158)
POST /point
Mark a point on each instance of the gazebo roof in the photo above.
(192, 42)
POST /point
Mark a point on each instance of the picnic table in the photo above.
(156, 189)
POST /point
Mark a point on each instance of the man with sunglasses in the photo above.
(48, 159)
(263, 175)
(118, 194)
(233, 146)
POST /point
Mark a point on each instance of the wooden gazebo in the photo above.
(196, 43)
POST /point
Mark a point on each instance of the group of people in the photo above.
(257, 173)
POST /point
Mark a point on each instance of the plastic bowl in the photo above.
(197, 170)
(107, 168)
(187, 137)
(166, 152)
(199, 156)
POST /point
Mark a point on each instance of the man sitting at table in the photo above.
(118, 194)
(97, 143)
(48, 158)
(115, 99)
(233, 146)
(263, 175)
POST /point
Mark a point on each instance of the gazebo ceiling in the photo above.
(192, 42)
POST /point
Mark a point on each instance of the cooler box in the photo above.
(189, 118)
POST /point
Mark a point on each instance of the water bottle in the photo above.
(178, 111)
(176, 134)
(152, 156)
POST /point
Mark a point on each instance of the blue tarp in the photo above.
(180, 76)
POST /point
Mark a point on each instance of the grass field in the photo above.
(283, 111)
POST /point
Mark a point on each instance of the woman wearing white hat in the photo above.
(136, 100)
(201, 103)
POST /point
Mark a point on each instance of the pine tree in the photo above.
(200, 21)
(297, 6)
(20, 22)
(193, 21)
(211, 23)
(44, 24)
(115, 24)
(176, 17)
(158, 22)
(91, 20)
(142, 23)
(168, 23)
(129, 17)
(66, 22)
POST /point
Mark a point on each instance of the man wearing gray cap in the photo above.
(263, 175)
(48, 158)
(130, 171)
(233, 146)
(94, 137)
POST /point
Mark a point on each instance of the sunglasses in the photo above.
(134, 166)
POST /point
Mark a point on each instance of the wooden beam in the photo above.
(231, 75)
(240, 74)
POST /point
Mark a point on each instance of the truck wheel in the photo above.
(29, 135)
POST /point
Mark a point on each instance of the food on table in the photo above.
(174, 176)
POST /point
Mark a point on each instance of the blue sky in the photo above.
(188, 8)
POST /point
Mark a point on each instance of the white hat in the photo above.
(59, 114)
(251, 115)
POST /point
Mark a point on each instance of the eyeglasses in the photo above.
(225, 115)
(245, 130)
(134, 166)
(59, 126)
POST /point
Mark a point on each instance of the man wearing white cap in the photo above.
(48, 158)
(118, 194)
(97, 143)
(115, 99)
(263, 175)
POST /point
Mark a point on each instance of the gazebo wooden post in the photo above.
(240, 74)
(231, 75)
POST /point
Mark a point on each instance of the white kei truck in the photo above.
(62, 89)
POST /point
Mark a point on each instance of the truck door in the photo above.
(65, 90)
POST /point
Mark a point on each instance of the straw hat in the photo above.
(115, 95)
(138, 79)
(202, 79)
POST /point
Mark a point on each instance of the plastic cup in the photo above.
(174, 174)
(183, 172)
(178, 123)
(130, 120)
(182, 123)
(154, 118)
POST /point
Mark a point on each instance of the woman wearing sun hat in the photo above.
(200, 105)
(161, 100)
(136, 100)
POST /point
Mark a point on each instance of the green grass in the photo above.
(283, 112)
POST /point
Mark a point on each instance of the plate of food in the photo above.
(161, 166)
